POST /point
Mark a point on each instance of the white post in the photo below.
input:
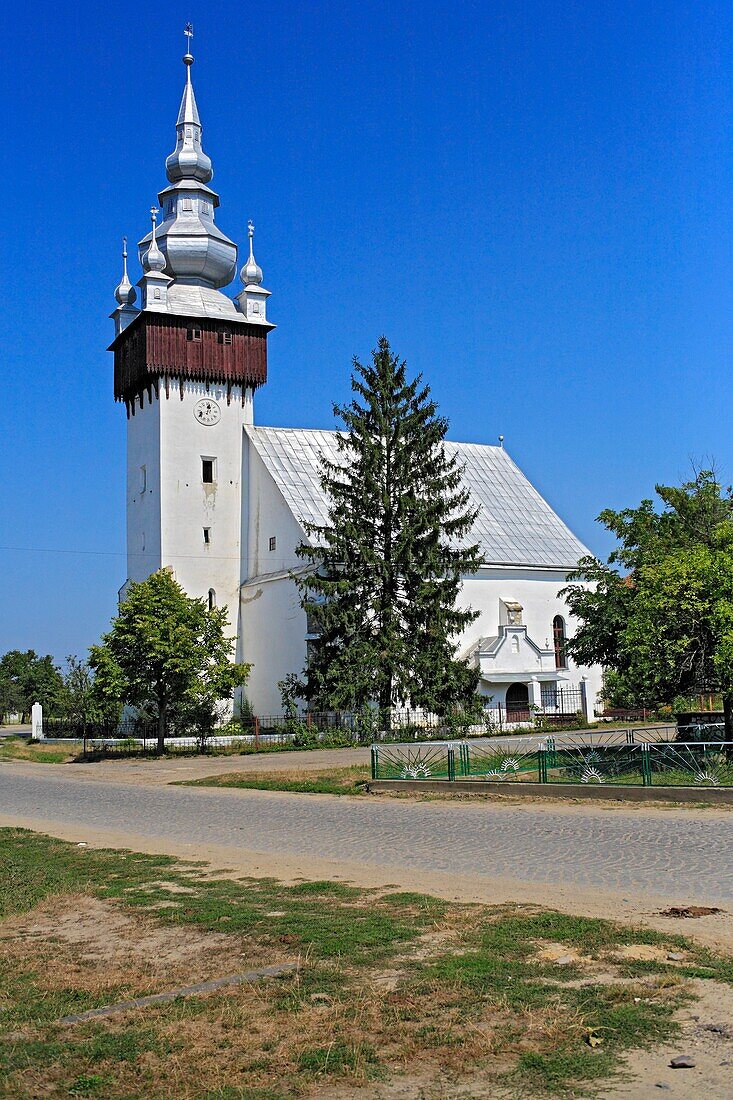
(36, 721)
(535, 693)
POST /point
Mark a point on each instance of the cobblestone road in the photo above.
(665, 853)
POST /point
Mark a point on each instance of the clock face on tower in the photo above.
(207, 411)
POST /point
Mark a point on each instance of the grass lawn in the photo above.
(524, 1001)
(329, 781)
(21, 748)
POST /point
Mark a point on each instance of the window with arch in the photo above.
(212, 599)
(560, 642)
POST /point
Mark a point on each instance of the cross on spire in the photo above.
(188, 56)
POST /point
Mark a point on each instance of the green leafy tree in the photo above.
(385, 570)
(25, 679)
(167, 655)
(80, 698)
(659, 615)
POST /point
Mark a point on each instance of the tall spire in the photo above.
(188, 111)
(188, 160)
(196, 251)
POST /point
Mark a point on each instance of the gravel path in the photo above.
(680, 854)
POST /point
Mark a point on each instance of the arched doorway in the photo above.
(517, 702)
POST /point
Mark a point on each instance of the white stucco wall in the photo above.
(143, 505)
(274, 632)
(272, 622)
(273, 638)
(167, 438)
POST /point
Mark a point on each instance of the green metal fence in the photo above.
(666, 764)
(420, 761)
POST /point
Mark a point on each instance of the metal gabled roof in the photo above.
(515, 525)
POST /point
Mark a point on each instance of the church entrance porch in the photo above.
(512, 703)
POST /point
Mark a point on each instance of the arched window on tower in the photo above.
(212, 599)
(559, 639)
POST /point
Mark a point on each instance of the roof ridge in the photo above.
(338, 431)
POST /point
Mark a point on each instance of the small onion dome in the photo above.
(153, 260)
(251, 272)
(125, 292)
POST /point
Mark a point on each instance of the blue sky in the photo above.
(532, 201)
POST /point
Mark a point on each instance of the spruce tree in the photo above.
(385, 570)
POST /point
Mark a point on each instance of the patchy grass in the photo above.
(350, 780)
(391, 983)
(21, 748)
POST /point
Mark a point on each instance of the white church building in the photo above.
(221, 500)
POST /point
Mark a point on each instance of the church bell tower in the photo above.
(186, 365)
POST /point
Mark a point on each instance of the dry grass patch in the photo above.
(395, 990)
(94, 946)
(351, 780)
(22, 748)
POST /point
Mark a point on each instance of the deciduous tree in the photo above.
(168, 656)
(25, 679)
(659, 614)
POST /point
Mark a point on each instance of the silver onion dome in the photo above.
(125, 292)
(251, 273)
(153, 259)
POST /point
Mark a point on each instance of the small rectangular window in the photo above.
(208, 471)
(207, 535)
(143, 479)
(225, 338)
(273, 542)
(187, 204)
(194, 334)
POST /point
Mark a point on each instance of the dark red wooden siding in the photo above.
(156, 345)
